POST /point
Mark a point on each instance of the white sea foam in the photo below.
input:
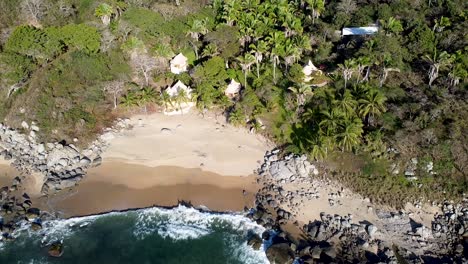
(188, 223)
(179, 223)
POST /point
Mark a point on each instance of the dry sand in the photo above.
(192, 142)
(120, 186)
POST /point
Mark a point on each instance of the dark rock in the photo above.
(33, 213)
(255, 242)
(280, 254)
(35, 226)
(266, 235)
(56, 250)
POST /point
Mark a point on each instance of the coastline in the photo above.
(120, 186)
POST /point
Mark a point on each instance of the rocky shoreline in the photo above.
(58, 166)
(340, 238)
(391, 237)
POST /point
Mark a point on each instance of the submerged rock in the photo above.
(56, 250)
(255, 242)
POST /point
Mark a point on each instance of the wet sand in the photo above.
(120, 186)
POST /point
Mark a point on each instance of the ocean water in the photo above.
(153, 235)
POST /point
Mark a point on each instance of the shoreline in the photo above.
(111, 187)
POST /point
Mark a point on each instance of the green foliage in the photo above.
(15, 68)
(28, 41)
(81, 37)
(210, 78)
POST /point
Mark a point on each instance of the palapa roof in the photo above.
(353, 31)
(179, 59)
(233, 87)
(178, 86)
(309, 68)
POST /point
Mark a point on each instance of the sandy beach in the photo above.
(163, 160)
(189, 141)
(120, 186)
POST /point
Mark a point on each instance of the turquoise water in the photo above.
(153, 235)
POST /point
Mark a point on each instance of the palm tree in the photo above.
(301, 91)
(347, 69)
(458, 71)
(317, 7)
(163, 50)
(373, 103)
(330, 119)
(146, 96)
(246, 62)
(392, 25)
(437, 62)
(166, 98)
(198, 27)
(104, 12)
(210, 50)
(129, 100)
(274, 55)
(181, 97)
(349, 135)
(236, 117)
(346, 104)
(363, 63)
(258, 51)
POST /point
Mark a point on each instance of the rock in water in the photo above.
(56, 249)
(280, 254)
(255, 242)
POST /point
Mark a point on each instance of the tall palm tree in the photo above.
(301, 91)
(437, 62)
(349, 134)
(246, 63)
(104, 12)
(146, 96)
(258, 51)
(181, 97)
(330, 119)
(166, 98)
(346, 104)
(347, 69)
(317, 7)
(373, 103)
(198, 27)
(363, 63)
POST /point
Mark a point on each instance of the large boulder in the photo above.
(280, 254)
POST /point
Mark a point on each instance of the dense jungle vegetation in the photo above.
(388, 115)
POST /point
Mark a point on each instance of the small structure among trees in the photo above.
(309, 70)
(179, 64)
(177, 99)
(359, 31)
(232, 90)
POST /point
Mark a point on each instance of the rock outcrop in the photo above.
(63, 165)
(389, 238)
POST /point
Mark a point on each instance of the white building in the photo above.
(179, 108)
(308, 70)
(176, 88)
(232, 89)
(358, 31)
(179, 64)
